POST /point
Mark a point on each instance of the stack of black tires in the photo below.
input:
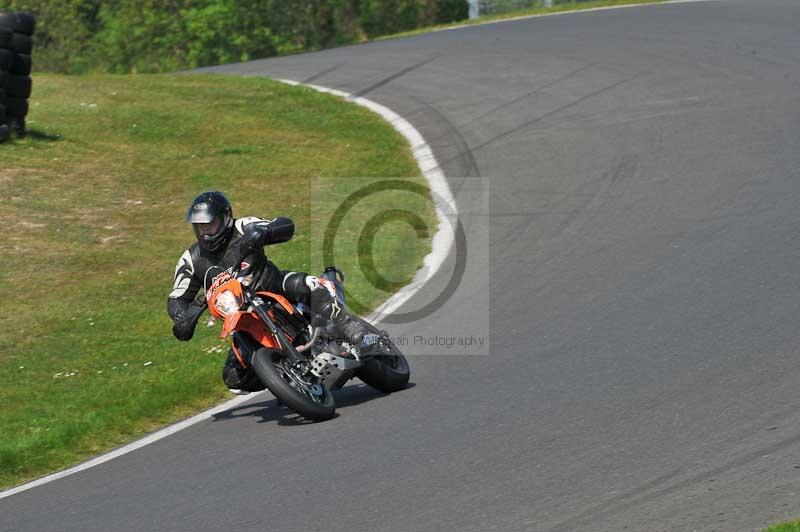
(16, 44)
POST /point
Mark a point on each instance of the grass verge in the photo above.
(793, 526)
(533, 11)
(93, 203)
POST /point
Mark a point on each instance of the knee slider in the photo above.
(295, 286)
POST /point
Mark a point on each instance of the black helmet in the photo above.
(211, 215)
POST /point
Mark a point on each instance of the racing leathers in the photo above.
(197, 268)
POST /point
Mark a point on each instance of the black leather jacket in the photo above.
(197, 268)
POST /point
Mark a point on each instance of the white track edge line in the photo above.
(440, 246)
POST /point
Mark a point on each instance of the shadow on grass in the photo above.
(271, 410)
(37, 134)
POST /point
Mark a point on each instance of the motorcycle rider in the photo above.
(222, 241)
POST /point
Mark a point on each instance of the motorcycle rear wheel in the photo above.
(388, 372)
(313, 401)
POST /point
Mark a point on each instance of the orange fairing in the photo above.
(280, 299)
(222, 284)
(250, 323)
(240, 320)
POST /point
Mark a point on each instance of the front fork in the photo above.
(287, 347)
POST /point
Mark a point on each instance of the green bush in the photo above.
(451, 11)
(63, 31)
(158, 36)
(77, 36)
(382, 17)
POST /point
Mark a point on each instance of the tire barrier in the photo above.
(16, 46)
(21, 65)
(5, 37)
(6, 59)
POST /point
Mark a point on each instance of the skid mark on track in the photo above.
(462, 146)
(650, 491)
(624, 169)
(555, 111)
(389, 79)
(503, 105)
(323, 73)
(549, 114)
(592, 194)
(534, 92)
(589, 198)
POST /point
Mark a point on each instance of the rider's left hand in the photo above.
(185, 323)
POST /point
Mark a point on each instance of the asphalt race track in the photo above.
(641, 294)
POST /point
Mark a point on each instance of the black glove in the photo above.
(255, 236)
(185, 323)
(259, 234)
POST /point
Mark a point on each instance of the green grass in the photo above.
(533, 11)
(93, 206)
(785, 527)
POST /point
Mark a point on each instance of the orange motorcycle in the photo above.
(296, 353)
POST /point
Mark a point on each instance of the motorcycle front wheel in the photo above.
(298, 391)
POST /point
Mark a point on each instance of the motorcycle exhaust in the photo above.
(305, 347)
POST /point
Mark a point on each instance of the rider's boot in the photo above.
(323, 301)
(352, 329)
(239, 380)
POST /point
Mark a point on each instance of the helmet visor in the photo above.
(209, 229)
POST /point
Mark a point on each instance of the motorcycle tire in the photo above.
(386, 373)
(24, 23)
(21, 66)
(6, 58)
(5, 133)
(17, 107)
(268, 364)
(21, 43)
(5, 36)
(19, 86)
